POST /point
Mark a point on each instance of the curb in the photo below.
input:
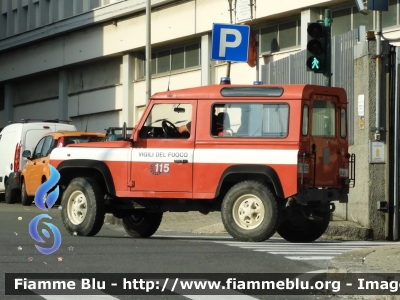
(347, 232)
(110, 219)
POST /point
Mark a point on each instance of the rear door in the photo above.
(324, 139)
(8, 142)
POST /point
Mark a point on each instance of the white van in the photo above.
(14, 139)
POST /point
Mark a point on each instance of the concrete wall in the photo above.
(97, 74)
(371, 184)
(98, 122)
(38, 110)
(36, 88)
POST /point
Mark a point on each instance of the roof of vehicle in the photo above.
(41, 121)
(36, 124)
(280, 91)
(57, 134)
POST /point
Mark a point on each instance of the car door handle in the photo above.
(181, 161)
(43, 161)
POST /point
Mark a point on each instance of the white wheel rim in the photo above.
(248, 211)
(77, 207)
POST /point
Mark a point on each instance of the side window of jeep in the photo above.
(262, 120)
(169, 121)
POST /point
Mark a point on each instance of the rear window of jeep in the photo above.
(261, 120)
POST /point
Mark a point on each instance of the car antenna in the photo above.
(170, 70)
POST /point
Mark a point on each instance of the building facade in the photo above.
(84, 60)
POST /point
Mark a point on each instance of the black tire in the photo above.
(10, 196)
(298, 229)
(25, 199)
(83, 207)
(142, 224)
(255, 226)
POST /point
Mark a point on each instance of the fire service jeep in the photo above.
(270, 158)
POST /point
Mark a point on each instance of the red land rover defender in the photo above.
(270, 158)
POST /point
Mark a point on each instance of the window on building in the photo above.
(2, 97)
(172, 59)
(346, 19)
(37, 14)
(95, 3)
(3, 25)
(389, 18)
(279, 37)
(341, 21)
(360, 19)
(15, 22)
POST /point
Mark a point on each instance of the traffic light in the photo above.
(317, 47)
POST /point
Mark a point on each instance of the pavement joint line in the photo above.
(341, 235)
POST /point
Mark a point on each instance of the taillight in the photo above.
(17, 156)
(60, 142)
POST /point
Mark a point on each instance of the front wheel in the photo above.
(83, 207)
(250, 212)
(25, 199)
(142, 224)
(299, 229)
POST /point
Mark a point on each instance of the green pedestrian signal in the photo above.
(314, 63)
(317, 47)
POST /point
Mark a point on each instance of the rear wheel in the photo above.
(25, 199)
(299, 229)
(11, 196)
(250, 212)
(83, 207)
(142, 224)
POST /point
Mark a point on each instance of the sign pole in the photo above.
(257, 59)
(148, 51)
(327, 23)
(228, 64)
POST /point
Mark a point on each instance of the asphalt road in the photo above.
(112, 251)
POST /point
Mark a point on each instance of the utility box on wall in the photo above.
(382, 5)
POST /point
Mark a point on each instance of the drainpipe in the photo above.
(396, 159)
(378, 35)
(148, 51)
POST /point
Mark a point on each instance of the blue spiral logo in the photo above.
(46, 201)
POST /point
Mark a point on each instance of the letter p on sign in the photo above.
(230, 42)
(223, 41)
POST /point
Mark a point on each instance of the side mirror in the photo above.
(26, 154)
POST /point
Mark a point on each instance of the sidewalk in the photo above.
(380, 259)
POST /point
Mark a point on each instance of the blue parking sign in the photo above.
(230, 42)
